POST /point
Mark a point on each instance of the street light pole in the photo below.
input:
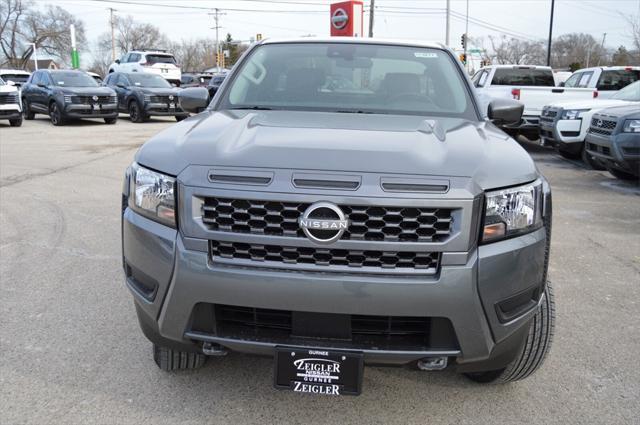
(372, 7)
(447, 38)
(35, 56)
(553, 2)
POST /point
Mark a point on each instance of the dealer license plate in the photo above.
(318, 371)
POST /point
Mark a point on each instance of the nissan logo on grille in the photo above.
(95, 98)
(323, 222)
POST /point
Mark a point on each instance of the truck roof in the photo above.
(13, 71)
(610, 68)
(517, 67)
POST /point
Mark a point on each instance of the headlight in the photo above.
(153, 195)
(147, 97)
(631, 126)
(67, 98)
(573, 114)
(511, 212)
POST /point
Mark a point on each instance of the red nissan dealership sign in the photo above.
(346, 19)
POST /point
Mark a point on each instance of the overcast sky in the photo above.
(417, 19)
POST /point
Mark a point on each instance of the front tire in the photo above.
(55, 115)
(17, 122)
(533, 351)
(27, 112)
(135, 112)
(170, 360)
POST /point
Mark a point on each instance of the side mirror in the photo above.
(43, 85)
(118, 61)
(122, 86)
(193, 99)
(505, 111)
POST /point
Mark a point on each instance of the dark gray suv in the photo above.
(379, 221)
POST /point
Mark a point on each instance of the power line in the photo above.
(135, 3)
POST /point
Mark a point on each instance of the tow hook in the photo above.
(432, 363)
(211, 349)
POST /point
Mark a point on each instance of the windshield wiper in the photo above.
(353, 111)
(253, 108)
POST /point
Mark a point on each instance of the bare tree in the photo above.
(577, 49)
(21, 24)
(517, 51)
(634, 35)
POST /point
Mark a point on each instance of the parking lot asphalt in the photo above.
(72, 352)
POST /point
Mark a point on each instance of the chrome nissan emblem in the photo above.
(599, 123)
(170, 97)
(339, 19)
(323, 222)
(95, 98)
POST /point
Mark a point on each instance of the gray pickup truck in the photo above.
(339, 203)
(614, 140)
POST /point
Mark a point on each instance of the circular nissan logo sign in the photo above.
(323, 222)
(339, 19)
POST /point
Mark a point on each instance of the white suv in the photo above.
(154, 61)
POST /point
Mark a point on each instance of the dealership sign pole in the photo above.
(75, 59)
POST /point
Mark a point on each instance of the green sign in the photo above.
(75, 59)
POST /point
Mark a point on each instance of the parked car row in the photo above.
(537, 86)
(611, 126)
(64, 95)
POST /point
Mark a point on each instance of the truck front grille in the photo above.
(600, 126)
(347, 331)
(338, 259)
(88, 100)
(8, 99)
(370, 223)
(162, 99)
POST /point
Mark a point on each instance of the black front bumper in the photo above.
(9, 114)
(109, 110)
(162, 109)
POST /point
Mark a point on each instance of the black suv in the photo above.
(65, 95)
(215, 83)
(142, 95)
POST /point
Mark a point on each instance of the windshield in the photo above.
(631, 92)
(151, 59)
(344, 77)
(16, 78)
(73, 79)
(523, 77)
(148, 80)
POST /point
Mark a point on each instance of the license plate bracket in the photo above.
(318, 371)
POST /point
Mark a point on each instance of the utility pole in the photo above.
(447, 37)
(553, 3)
(372, 6)
(466, 36)
(113, 34)
(216, 17)
(604, 36)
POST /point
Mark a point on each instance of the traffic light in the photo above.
(463, 41)
(463, 58)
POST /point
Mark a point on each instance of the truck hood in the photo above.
(8, 89)
(590, 104)
(384, 144)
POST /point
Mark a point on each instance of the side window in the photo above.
(115, 79)
(573, 80)
(483, 79)
(122, 79)
(124, 58)
(45, 79)
(584, 79)
(35, 78)
(134, 57)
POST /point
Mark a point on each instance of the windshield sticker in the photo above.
(425, 55)
(136, 83)
(61, 83)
